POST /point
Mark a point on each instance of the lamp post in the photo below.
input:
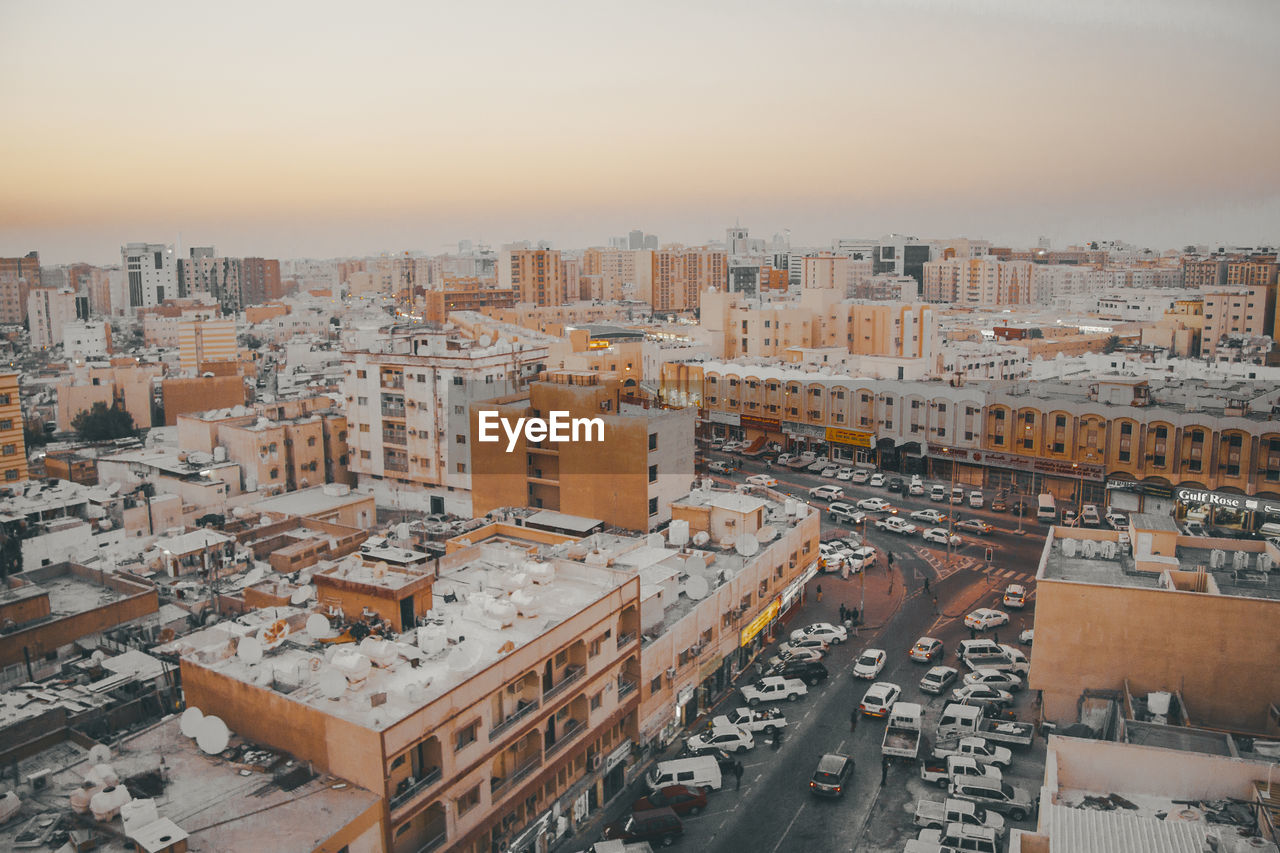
(951, 516)
(1017, 497)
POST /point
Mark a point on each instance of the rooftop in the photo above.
(309, 501)
(192, 542)
(1154, 825)
(231, 801)
(69, 595)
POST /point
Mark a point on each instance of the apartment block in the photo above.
(17, 275)
(474, 729)
(219, 279)
(983, 280)
(151, 273)
(203, 341)
(13, 446)
(628, 476)
(681, 274)
(537, 276)
(86, 339)
(124, 382)
(259, 280)
(1203, 272)
(465, 294)
(48, 310)
(407, 403)
(623, 274)
(1234, 313)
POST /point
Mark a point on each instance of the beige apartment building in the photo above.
(17, 275)
(204, 341)
(13, 445)
(537, 276)
(1236, 312)
(681, 274)
(981, 280)
(49, 309)
(123, 381)
(628, 475)
(495, 726)
(1193, 616)
(623, 274)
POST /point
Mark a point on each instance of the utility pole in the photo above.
(1017, 497)
(951, 516)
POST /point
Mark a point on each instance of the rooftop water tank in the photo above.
(106, 804)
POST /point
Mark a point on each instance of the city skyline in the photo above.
(997, 122)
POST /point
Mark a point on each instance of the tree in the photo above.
(103, 424)
(1035, 333)
(34, 437)
(1111, 344)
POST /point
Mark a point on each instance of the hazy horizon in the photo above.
(319, 130)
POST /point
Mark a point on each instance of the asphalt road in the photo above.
(774, 811)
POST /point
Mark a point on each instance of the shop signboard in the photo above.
(857, 438)
(1225, 500)
(768, 424)
(804, 430)
(730, 418)
(618, 756)
(761, 621)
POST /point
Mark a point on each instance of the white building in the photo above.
(48, 310)
(86, 339)
(151, 273)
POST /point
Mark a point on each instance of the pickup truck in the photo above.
(941, 773)
(772, 688)
(902, 732)
(620, 847)
(962, 836)
(753, 721)
(976, 748)
(893, 524)
(932, 814)
(1008, 659)
(964, 720)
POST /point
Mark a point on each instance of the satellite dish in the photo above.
(249, 650)
(100, 754)
(301, 595)
(213, 735)
(696, 587)
(746, 545)
(766, 534)
(190, 723)
(318, 626)
(332, 683)
(701, 538)
(485, 341)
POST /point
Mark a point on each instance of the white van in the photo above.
(1046, 508)
(1270, 528)
(701, 771)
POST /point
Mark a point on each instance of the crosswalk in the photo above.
(962, 562)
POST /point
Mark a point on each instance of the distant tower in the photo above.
(1044, 243)
(735, 241)
(635, 240)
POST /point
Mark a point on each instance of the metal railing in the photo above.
(521, 772)
(572, 729)
(435, 843)
(433, 776)
(514, 718)
(571, 675)
(626, 686)
(623, 639)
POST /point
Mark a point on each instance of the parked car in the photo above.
(984, 618)
(817, 466)
(1089, 516)
(980, 694)
(996, 796)
(926, 649)
(785, 458)
(974, 525)
(875, 505)
(730, 739)
(957, 496)
(1195, 528)
(893, 524)
(1027, 637)
(1069, 518)
(1015, 596)
(917, 485)
(681, 799)
(830, 471)
(773, 689)
(863, 558)
(718, 467)
(979, 749)
(998, 678)
(752, 720)
(879, 698)
(939, 535)
(811, 672)
(795, 655)
(929, 516)
(975, 499)
(762, 480)
(816, 643)
(877, 479)
(826, 493)
(895, 485)
(869, 664)
(938, 679)
(844, 475)
(861, 476)
(832, 775)
(845, 513)
(998, 503)
(938, 493)
(832, 634)
(661, 826)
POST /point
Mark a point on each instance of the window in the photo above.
(362, 401)
(311, 441)
(653, 441)
(597, 700)
(461, 468)
(1126, 429)
(469, 800)
(364, 427)
(653, 506)
(653, 476)
(9, 450)
(942, 408)
(460, 439)
(655, 686)
(6, 424)
(466, 735)
(12, 474)
(360, 374)
(457, 410)
(364, 454)
(457, 380)
(275, 473)
(999, 414)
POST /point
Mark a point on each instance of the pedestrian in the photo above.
(926, 583)
(884, 769)
(853, 615)
(841, 612)
(853, 720)
(737, 775)
(819, 592)
(973, 633)
(997, 638)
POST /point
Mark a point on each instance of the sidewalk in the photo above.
(884, 595)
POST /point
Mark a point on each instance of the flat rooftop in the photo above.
(308, 501)
(214, 799)
(1181, 738)
(69, 595)
(192, 542)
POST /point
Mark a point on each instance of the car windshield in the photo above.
(867, 660)
(830, 765)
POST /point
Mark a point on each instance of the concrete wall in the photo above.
(1103, 766)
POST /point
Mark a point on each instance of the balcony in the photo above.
(572, 729)
(626, 638)
(435, 843)
(416, 787)
(626, 686)
(572, 674)
(521, 712)
(498, 785)
(393, 380)
(394, 437)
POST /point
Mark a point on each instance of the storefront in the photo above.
(1225, 512)
(724, 425)
(801, 437)
(752, 426)
(1072, 483)
(1129, 495)
(850, 446)
(615, 770)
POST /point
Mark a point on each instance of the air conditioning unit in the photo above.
(594, 762)
(671, 673)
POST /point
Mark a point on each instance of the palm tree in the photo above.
(1111, 344)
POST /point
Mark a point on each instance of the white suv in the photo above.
(826, 493)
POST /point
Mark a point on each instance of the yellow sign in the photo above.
(761, 621)
(849, 436)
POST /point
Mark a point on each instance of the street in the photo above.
(774, 810)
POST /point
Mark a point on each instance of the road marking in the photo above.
(840, 748)
(787, 830)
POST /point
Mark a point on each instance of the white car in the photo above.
(879, 698)
(806, 642)
(826, 493)
(825, 631)
(940, 536)
(773, 688)
(731, 739)
(877, 479)
(973, 694)
(893, 524)
(751, 721)
(995, 678)
(1117, 520)
(929, 516)
(875, 505)
(730, 446)
(794, 655)
(864, 557)
(817, 467)
(762, 480)
(975, 499)
(830, 470)
(1089, 516)
(917, 485)
(785, 458)
(1015, 595)
(984, 618)
(844, 475)
(869, 664)
(1027, 637)
(861, 476)
(845, 513)
(938, 493)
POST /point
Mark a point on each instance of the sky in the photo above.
(325, 129)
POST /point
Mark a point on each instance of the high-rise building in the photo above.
(17, 276)
(259, 280)
(204, 274)
(980, 280)
(48, 310)
(151, 269)
(536, 275)
(13, 447)
(681, 273)
(901, 255)
(204, 341)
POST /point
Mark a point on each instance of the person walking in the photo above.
(737, 775)
(842, 611)
(997, 638)
(973, 633)
(819, 592)
(853, 720)
(884, 769)
(926, 583)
